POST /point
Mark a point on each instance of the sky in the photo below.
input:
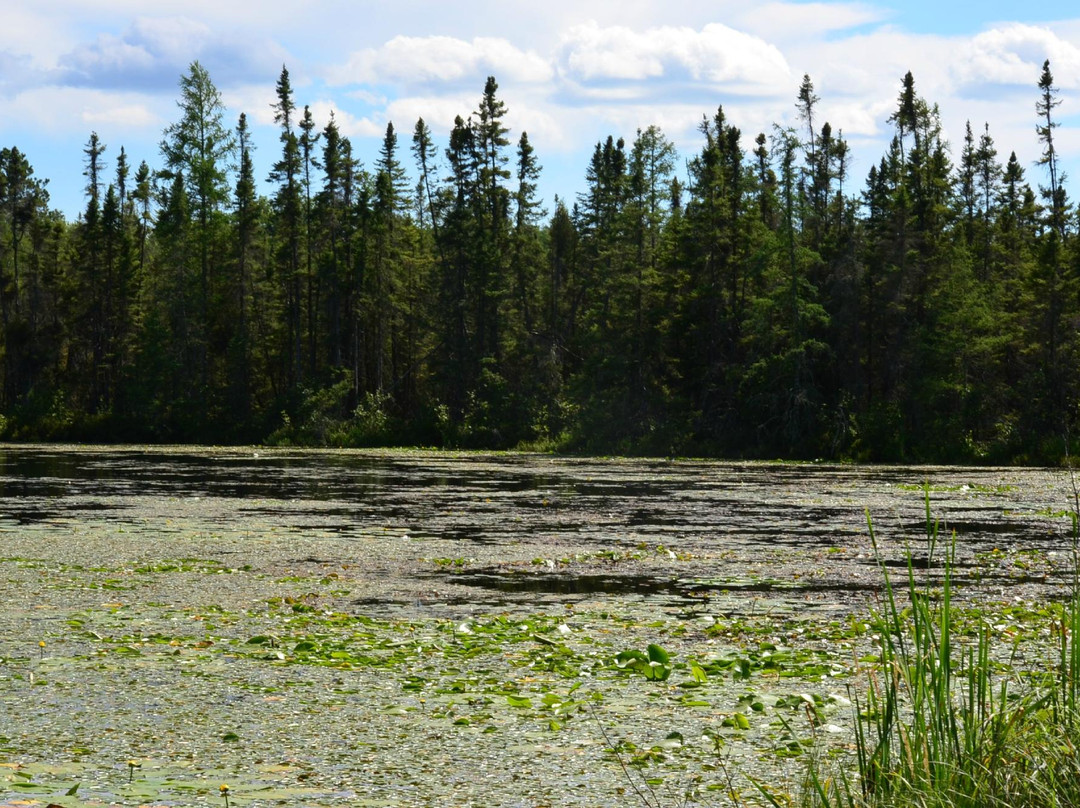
(571, 72)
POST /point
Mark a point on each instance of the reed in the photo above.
(940, 725)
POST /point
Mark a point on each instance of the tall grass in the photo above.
(939, 726)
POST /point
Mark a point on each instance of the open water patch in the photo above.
(645, 586)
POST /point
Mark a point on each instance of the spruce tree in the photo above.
(289, 209)
(199, 147)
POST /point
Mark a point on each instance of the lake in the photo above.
(403, 628)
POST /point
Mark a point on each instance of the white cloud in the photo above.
(347, 124)
(410, 61)
(254, 100)
(153, 52)
(855, 119)
(867, 69)
(128, 116)
(715, 54)
(367, 97)
(438, 111)
(782, 20)
(570, 71)
(593, 52)
(32, 32)
(1014, 55)
(143, 47)
(77, 111)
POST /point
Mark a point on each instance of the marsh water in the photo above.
(496, 529)
(420, 628)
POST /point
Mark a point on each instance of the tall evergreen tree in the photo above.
(199, 147)
(289, 209)
(1050, 282)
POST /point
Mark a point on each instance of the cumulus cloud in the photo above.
(1014, 55)
(867, 69)
(348, 125)
(716, 55)
(438, 111)
(153, 52)
(411, 61)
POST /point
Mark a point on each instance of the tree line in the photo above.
(755, 303)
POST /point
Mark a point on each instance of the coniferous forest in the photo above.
(736, 301)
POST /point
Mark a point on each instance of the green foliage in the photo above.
(940, 725)
(762, 306)
(654, 663)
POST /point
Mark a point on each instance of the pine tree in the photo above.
(1050, 282)
(199, 148)
(331, 216)
(245, 224)
(1054, 194)
(23, 203)
(307, 142)
(90, 275)
(425, 153)
(966, 182)
(383, 288)
(491, 141)
(289, 209)
(987, 183)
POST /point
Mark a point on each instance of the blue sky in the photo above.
(570, 71)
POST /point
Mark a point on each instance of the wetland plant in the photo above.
(936, 727)
(654, 664)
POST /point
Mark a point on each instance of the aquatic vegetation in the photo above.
(654, 664)
(398, 645)
(945, 724)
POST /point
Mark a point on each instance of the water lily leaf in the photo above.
(674, 740)
(656, 671)
(518, 701)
